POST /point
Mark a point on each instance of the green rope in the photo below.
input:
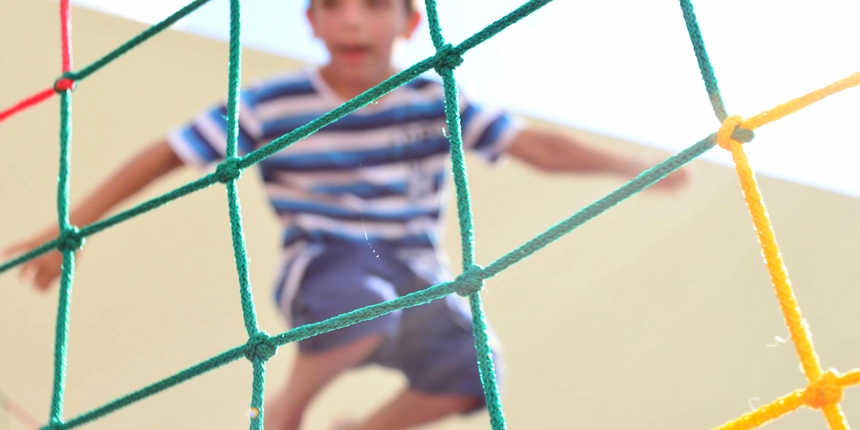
(192, 372)
(707, 71)
(631, 188)
(68, 248)
(134, 42)
(260, 347)
(446, 60)
(418, 298)
(35, 253)
(228, 173)
(297, 334)
(288, 139)
(705, 67)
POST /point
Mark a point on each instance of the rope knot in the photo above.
(730, 133)
(825, 391)
(471, 281)
(70, 239)
(260, 346)
(64, 83)
(228, 170)
(447, 58)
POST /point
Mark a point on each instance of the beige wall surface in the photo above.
(657, 315)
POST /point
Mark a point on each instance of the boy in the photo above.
(360, 202)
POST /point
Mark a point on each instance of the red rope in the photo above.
(61, 85)
(66, 34)
(28, 102)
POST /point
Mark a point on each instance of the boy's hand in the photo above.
(43, 270)
(151, 163)
(674, 181)
(552, 151)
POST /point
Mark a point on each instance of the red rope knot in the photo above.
(730, 133)
(823, 392)
(447, 58)
(261, 347)
(471, 281)
(228, 170)
(70, 239)
(64, 83)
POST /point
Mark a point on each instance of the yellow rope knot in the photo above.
(731, 134)
(825, 391)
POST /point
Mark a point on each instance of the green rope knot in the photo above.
(65, 82)
(260, 346)
(447, 58)
(471, 281)
(229, 170)
(70, 239)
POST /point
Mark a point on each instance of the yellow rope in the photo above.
(824, 389)
(801, 102)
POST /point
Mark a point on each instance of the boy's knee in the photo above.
(283, 413)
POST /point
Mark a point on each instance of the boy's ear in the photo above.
(412, 24)
(309, 15)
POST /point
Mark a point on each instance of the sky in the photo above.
(624, 68)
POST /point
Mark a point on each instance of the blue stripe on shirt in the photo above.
(492, 132)
(363, 189)
(278, 89)
(420, 82)
(396, 116)
(295, 234)
(192, 136)
(245, 142)
(337, 160)
(288, 206)
(369, 190)
(467, 115)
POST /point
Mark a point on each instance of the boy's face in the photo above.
(360, 34)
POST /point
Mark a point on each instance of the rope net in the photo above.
(824, 389)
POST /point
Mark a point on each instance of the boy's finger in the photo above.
(45, 278)
(26, 271)
(14, 249)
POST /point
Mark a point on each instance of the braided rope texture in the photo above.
(824, 391)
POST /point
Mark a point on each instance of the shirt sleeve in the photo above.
(202, 141)
(486, 131)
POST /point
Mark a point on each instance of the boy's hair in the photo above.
(411, 5)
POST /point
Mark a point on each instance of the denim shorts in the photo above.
(431, 344)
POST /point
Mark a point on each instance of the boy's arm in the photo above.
(148, 165)
(141, 170)
(553, 151)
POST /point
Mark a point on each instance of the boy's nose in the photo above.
(353, 13)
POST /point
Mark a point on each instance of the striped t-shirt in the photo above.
(379, 173)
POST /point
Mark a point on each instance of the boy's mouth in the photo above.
(354, 53)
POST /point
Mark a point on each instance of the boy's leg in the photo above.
(334, 282)
(435, 350)
(412, 408)
(311, 372)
